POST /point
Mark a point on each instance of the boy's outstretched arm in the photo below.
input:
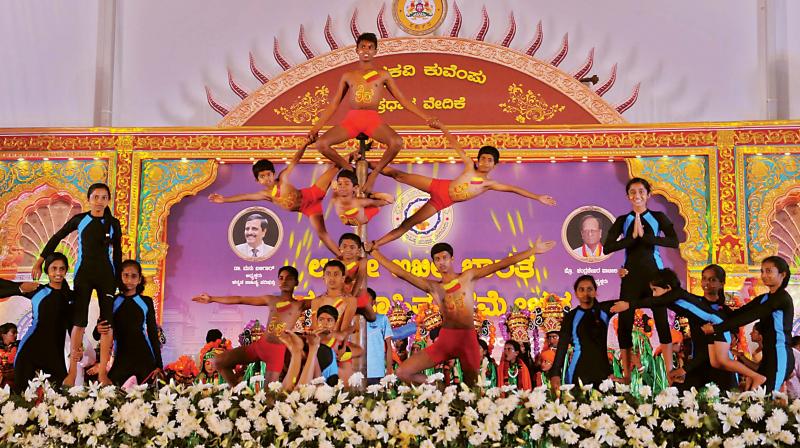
(256, 196)
(539, 247)
(543, 198)
(420, 283)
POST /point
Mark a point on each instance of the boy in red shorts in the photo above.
(283, 313)
(454, 297)
(281, 192)
(353, 210)
(364, 87)
(473, 181)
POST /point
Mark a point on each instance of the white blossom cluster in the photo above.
(392, 414)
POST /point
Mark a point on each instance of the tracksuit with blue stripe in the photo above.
(99, 254)
(137, 349)
(586, 330)
(776, 312)
(642, 260)
(42, 347)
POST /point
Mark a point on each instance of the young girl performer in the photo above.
(97, 262)
(776, 311)
(668, 292)
(137, 350)
(42, 347)
(638, 233)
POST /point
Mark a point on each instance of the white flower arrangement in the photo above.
(391, 414)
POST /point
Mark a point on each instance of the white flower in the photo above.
(786, 437)
(606, 385)
(80, 410)
(438, 376)
(356, 379)
(536, 432)
(324, 393)
(667, 425)
(275, 386)
(667, 398)
(374, 389)
(712, 391)
(755, 412)
(731, 420)
(224, 405)
(691, 419)
(750, 437)
(645, 391)
(733, 442)
(243, 424)
(776, 421)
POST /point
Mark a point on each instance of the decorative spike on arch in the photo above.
(586, 66)
(261, 77)
(484, 25)
(512, 30)
(384, 33)
(562, 53)
(354, 25)
(218, 108)
(456, 22)
(304, 47)
(240, 92)
(276, 51)
(625, 105)
(329, 38)
(603, 89)
(537, 40)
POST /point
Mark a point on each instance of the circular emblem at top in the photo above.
(419, 17)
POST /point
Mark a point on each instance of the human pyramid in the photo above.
(317, 333)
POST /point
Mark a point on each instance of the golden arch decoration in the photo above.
(508, 57)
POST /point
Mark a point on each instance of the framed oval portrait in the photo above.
(583, 233)
(255, 234)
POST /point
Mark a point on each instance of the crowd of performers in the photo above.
(305, 339)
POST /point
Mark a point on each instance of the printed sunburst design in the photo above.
(529, 106)
(307, 107)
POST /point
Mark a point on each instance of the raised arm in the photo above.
(68, 227)
(341, 90)
(469, 164)
(543, 198)
(298, 156)
(391, 86)
(10, 288)
(539, 247)
(265, 300)
(419, 283)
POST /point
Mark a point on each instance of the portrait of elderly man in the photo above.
(592, 237)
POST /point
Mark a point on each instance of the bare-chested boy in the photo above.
(281, 192)
(364, 87)
(454, 296)
(473, 181)
(334, 277)
(352, 210)
(283, 313)
(355, 273)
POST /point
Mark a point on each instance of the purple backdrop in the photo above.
(200, 257)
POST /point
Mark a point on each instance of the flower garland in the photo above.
(389, 414)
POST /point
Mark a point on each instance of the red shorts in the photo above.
(440, 194)
(370, 212)
(311, 201)
(272, 354)
(359, 120)
(363, 299)
(457, 343)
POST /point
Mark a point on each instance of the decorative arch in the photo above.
(449, 73)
